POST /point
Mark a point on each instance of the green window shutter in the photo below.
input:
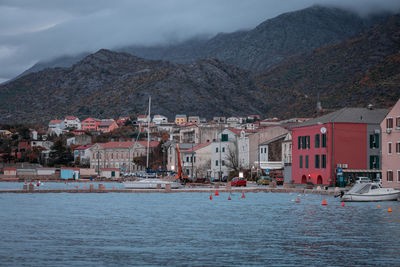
(323, 140)
(307, 162)
(223, 149)
(371, 162)
(216, 163)
(317, 161)
(216, 150)
(299, 142)
(224, 137)
(371, 141)
(308, 141)
(377, 140)
(301, 162)
(317, 141)
(323, 161)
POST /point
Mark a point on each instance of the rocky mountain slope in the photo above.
(257, 49)
(362, 70)
(109, 84)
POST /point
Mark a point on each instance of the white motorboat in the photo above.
(150, 183)
(370, 192)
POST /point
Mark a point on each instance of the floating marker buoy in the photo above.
(324, 202)
(229, 197)
(243, 196)
(210, 196)
(104, 187)
(342, 204)
(389, 209)
(113, 188)
(379, 206)
(298, 200)
(216, 193)
(26, 182)
(84, 187)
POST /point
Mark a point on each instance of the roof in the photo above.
(70, 118)
(55, 121)
(197, 147)
(69, 168)
(238, 131)
(180, 116)
(274, 139)
(106, 123)
(116, 144)
(127, 144)
(142, 117)
(10, 168)
(84, 147)
(349, 115)
(90, 118)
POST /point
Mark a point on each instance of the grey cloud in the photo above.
(41, 30)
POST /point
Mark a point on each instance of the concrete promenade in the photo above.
(211, 190)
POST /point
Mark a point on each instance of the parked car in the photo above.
(237, 181)
(264, 180)
(363, 180)
(279, 179)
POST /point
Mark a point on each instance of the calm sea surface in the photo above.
(188, 229)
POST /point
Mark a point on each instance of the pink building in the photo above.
(391, 148)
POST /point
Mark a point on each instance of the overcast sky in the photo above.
(37, 30)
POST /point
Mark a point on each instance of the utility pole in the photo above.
(192, 160)
(98, 163)
(220, 159)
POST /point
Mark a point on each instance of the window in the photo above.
(398, 122)
(224, 137)
(194, 159)
(223, 163)
(374, 162)
(299, 142)
(323, 140)
(308, 141)
(398, 147)
(389, 175)
(323, 161)
(216, 163)
(187, 159)
(374, 141)
(261, 150)
(390, 148)
(223, 149)
(301, 162)
(389, 123)
(317, 141)
(265, 150)
(112, 156)
(306, 163)
(398, 176)
(317, 161)
(216, 150)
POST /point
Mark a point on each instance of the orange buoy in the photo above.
(342, 204)
(389, 209)
(298, 200)
(379, 206)
(210, 196)
(243, 196)
(324, 202)
(216, 193)
(229, 197)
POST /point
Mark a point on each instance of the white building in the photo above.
(72, 122)
(56, 127)
(196, 161)
(223, 154)
(160, 119)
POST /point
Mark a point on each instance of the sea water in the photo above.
(175, 229)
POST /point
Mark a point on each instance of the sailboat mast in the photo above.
(148, 134)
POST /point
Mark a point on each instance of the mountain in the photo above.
(257, 49)
(109, 84)
(355, 72)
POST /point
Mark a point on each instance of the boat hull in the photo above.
(150, 184)
(370, 197)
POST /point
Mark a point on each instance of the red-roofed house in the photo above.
(196, 161)
(119, 155)
(90, 124)
(107, 126)
(10, 171)
(83, 154)
(122, 120)
(56, 127)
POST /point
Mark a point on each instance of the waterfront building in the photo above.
(335, 148)
(196, 160)
(391, 148)
(126, 156)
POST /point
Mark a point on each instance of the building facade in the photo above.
(391, 148)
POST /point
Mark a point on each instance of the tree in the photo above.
(232, 160)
